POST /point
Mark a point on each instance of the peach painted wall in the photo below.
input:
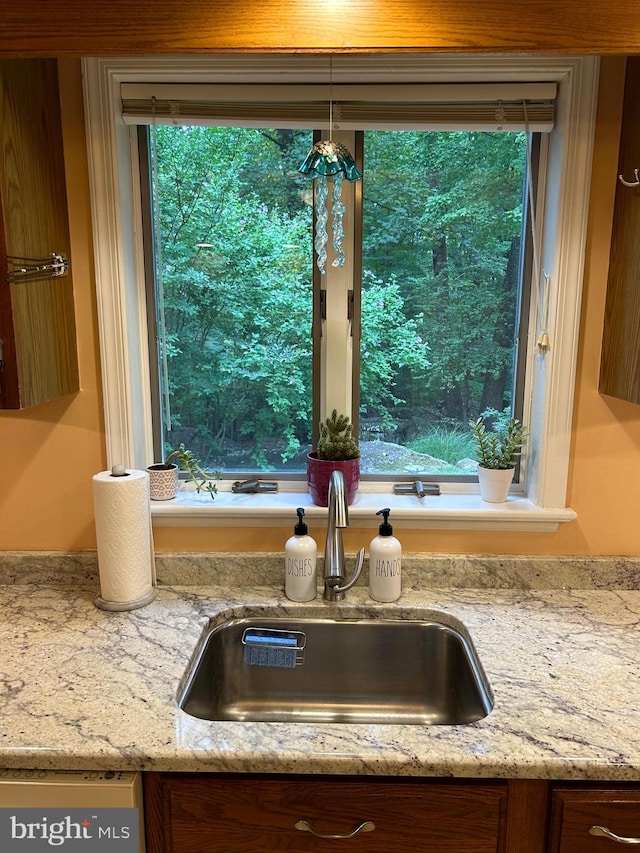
(49, 454)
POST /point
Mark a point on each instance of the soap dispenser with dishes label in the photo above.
(385, 563)
(300, 555)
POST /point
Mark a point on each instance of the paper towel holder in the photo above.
(118, 606)
(119, 471)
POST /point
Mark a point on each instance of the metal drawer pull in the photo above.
(365, 826)
(606, 833)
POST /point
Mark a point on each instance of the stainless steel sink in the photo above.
(337, 671)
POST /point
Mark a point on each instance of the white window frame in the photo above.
(539, 502)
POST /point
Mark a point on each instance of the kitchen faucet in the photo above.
(335, 574)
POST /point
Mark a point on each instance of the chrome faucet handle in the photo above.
(356, 574)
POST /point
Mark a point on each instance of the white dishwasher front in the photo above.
(73, 789)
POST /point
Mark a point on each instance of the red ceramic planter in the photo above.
(319, 473)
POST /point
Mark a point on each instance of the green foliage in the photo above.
(336, 440)
(499, 449)
(391, 342)
(448, 444)
(441, 234)
(497, 421)
(444, 220)
(186, 461)
(237, 285)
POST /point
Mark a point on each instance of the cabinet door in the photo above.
(620, 360)
(202, 813)
(37, 320)
(615, 809)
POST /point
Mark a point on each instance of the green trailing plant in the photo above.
(187, 461)
(500, 448)
(336, 441)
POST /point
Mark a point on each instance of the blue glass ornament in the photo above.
(329, 160)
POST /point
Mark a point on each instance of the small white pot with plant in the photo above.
(497, 453)
(163, 476)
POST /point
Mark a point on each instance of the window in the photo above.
(435, 283)
(232, 295)
(407, 276)
(442, 274)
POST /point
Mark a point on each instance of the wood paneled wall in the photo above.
(86, 27)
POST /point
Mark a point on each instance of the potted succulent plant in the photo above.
(163, 476)
(497, 454)
(337, 451)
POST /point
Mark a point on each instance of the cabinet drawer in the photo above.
(574, 812)
(218, 814)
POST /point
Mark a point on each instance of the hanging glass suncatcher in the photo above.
(329, 160)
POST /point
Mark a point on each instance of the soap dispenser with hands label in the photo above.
(300, 557)
(385, 563)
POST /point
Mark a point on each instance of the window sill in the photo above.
(450, 510)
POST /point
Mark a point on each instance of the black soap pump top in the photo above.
(385, 528)
(301, 528)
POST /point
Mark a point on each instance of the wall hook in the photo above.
(28, 269)
(635, 183)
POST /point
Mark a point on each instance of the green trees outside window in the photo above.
(442, 233)
(443, 226)
(233, 254)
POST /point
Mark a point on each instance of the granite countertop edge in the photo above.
(85, 688)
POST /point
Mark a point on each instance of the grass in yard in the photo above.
(451, 445)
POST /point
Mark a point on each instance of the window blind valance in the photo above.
(490, 106)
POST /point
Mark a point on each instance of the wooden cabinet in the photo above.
(620, 362)
(576, 810)
(251, 813)
(89, 28)
(255, 813)
(37, 322)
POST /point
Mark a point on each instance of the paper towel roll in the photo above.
(125, 546)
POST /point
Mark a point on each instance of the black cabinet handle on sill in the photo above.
(365, 826)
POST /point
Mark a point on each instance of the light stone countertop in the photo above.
(83, 688)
